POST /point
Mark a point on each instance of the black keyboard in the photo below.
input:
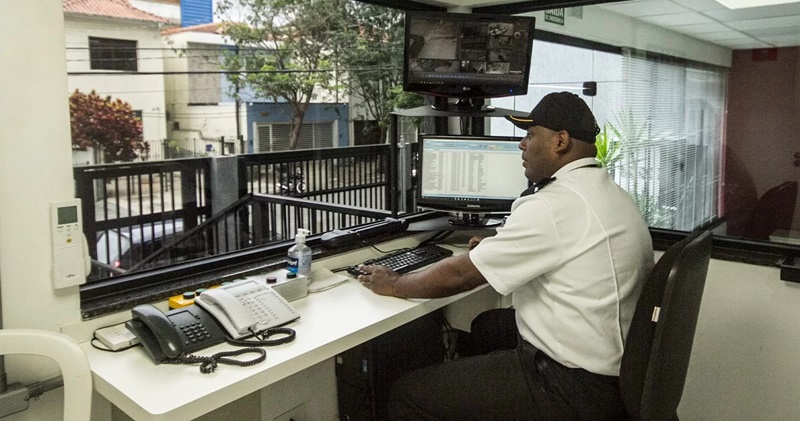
(403, 261)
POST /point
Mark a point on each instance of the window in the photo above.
(666, 115)
(112, 54)
(671, 141)
(205, 86)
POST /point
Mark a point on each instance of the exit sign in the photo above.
(554, 16)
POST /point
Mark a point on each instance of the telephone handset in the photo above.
(247, 306)
(172, 334)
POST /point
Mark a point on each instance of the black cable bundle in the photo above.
(209, 364)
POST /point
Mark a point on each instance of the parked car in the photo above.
(125, 247)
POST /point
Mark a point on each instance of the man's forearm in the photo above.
(445, 278)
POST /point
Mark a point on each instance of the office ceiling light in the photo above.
(741, 4)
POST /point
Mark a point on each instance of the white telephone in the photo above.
(246, 306)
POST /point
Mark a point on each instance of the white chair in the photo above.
(70, 358)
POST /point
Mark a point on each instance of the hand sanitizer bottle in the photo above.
(300, 254)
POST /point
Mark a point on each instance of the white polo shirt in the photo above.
(574, 257)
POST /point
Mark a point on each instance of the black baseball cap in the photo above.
(561, 111)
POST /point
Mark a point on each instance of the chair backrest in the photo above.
(773, 211)
(70, 358)
(659, 343)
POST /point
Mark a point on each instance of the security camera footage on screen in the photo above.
(467, 56)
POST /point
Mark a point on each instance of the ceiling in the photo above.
(749, 28)
(754, 27)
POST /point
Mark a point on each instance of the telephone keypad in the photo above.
(261, 312)
(194, 332)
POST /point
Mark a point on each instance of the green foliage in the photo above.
(106, 124)
(609, 146)
(371, 53)
(286, 48)
(622, 148)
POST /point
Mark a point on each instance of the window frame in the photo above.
(113, 54)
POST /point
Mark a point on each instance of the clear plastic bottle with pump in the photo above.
(300, 254)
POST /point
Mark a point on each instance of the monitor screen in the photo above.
(474, 174)
(465, 55)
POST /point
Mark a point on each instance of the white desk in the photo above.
(331, 322)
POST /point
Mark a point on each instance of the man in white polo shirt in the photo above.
(573, 254)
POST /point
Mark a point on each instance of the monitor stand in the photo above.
(474, 220)
(462, 105)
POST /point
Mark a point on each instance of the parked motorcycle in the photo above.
(291, 182)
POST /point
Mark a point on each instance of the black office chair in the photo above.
(773, 211)
(659, 343)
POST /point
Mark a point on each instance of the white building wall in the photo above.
(195, 126)
(144, 91)
(171, 11)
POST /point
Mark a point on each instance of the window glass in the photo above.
(663, 120)
(112, 54)
(762, 153)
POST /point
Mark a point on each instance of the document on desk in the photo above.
(325, 279)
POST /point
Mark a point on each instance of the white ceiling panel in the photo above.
(784, 40)
(646, 8)
(754, 12)
(783, 21)
(719, 36)
(700, 5)
(755, 27)
(701, 28)
(771, 32)
(677, 19)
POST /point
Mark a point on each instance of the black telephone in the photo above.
(169, 335)
(244, 308)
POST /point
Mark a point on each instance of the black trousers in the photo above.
(513, 381)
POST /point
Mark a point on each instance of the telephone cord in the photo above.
(209, 364)
(263, 337)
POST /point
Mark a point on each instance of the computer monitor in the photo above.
(470, 176)
(467, 56)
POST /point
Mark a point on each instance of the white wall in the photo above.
(35, 169)
(143, 92)
(167, 10)
(198, 124)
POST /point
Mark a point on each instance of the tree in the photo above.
(371, 54)
(106, 124)
(284, 50)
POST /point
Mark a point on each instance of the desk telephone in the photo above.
(243, 309)
(246, 306)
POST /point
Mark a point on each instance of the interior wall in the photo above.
(763, 124)
(35, 169)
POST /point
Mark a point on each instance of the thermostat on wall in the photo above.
(69, 246)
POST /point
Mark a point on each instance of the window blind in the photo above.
(671, 127)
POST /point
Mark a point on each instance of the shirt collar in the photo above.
(578, 163)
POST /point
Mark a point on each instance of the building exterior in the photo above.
(115, 49)
(202, 110)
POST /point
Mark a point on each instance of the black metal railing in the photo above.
(257, 219)
(130, 209)
(149, 214)
(353, 176)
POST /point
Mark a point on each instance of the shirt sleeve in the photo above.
(526, 247)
